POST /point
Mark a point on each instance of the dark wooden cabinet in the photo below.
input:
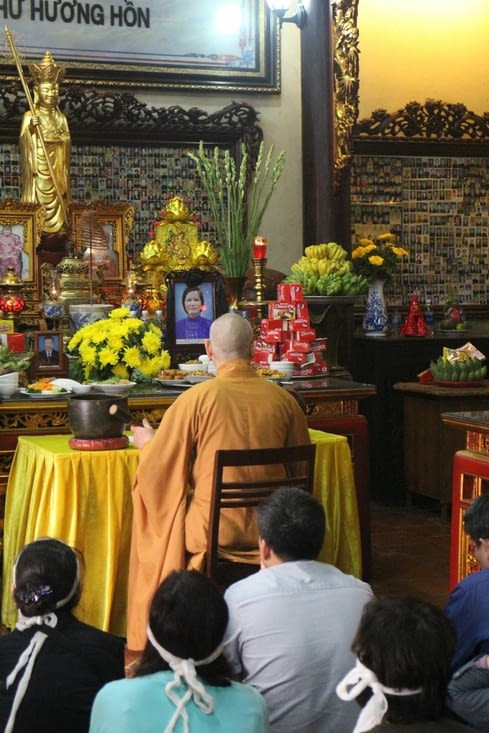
(429, 444)
(383, 362)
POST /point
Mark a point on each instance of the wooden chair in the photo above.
(298, 462)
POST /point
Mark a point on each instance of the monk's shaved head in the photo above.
(231, 337)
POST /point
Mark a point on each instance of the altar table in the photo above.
(84, 499)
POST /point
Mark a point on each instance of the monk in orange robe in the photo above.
(171, 493)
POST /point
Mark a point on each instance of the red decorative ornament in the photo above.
(12, 303)
(415, 324)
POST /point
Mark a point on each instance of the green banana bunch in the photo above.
(470, 370)
(325, 270)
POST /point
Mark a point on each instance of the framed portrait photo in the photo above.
(195, 298)
(20, 232)
(48, 354)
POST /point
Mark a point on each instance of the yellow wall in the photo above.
(280, 119)
(411, 50)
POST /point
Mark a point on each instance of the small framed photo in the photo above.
(20, 232)
(48, 354)
(195, 298)
(116, 220)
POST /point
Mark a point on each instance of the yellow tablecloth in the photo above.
(84, 498)
(334, 487)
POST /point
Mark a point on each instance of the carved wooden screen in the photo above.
(124, 150)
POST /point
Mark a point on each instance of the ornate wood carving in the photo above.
(433, 121)
(346, 81)
(109, 116)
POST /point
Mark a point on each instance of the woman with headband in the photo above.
(181, 683)
(52, 665)
(403, 649)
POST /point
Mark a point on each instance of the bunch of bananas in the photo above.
(470, 370)
(325, 270)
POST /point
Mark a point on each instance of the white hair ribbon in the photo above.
(373, 712)
(27, 660)
(28, 657)
(184, 671)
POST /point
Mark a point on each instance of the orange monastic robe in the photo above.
(236, 410)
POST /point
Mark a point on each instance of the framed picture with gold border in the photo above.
(212, 46)
(116, 221)
(21, 225)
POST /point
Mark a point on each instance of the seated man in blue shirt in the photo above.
(468, 604)
(467, 608)
(291, 625)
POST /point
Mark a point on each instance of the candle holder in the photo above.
(259, 264)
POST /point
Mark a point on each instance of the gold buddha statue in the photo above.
(45, 147)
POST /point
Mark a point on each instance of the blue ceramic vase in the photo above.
(375, 319)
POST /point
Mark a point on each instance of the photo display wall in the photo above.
(439, 207)
(145, 177)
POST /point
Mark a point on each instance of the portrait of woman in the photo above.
(194, 317)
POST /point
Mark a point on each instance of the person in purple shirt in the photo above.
(468, 604)
(195, 326)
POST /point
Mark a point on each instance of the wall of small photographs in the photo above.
(142, 176)
(439, 206)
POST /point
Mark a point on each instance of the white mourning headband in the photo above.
(358, 679)
(184, 671)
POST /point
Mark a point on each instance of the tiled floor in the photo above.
(410, 553)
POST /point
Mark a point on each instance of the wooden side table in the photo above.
(429, 444)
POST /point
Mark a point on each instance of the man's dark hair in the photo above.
(188, 618)
(408, 644)
(293, 524)
(476, 519)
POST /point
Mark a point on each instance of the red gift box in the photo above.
(298, 323)
(302, 310)
(305, 334)
(301, 346)
(295, 356)
(290, 292)
(318, 345)
(279, 309)
(16, 342)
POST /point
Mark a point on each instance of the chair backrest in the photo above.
(296, 469)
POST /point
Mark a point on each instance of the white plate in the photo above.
(47, 393)
(196, 378)
(181, 383)
(115, 388)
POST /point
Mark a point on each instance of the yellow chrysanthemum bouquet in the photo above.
(378, 260)
(117, 347)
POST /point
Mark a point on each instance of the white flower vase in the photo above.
(375, 319)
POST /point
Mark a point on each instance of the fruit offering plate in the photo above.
(453, 383)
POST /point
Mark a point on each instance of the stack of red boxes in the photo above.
(287, 334)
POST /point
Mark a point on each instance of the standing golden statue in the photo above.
(45, 147)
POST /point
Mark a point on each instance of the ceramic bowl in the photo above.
(196, 367)
(83, 313)
(9, 383)
(284, 367)
(72, 385)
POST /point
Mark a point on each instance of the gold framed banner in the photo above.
(225, 45)
(116, 221)
(21, 225)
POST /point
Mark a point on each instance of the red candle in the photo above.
(259, 248)
(16, 342)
